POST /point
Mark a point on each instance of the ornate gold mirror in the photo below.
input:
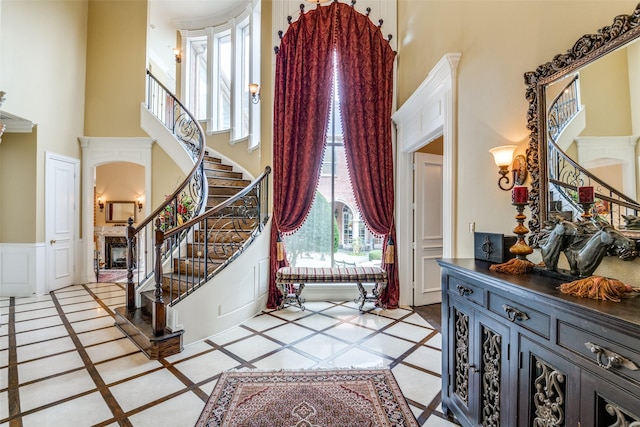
(120, 211)
(583, 80)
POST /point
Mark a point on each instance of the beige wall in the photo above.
(42, 69)
(499, 42)
(18, 184)
(116, 63)
(604, 90)
(266, 92)
(165, 175)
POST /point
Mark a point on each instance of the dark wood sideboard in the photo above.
(518, 352)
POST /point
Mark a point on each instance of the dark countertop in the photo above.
(545, 289)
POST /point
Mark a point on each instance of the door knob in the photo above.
(52, 241)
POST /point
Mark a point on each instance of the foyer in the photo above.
(63, 362)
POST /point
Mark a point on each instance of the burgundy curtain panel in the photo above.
(365, 75)
(302, 98)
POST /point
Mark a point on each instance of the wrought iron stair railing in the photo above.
(179, 246)
(566, 175)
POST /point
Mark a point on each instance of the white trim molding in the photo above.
(98, 151)
(428, 113)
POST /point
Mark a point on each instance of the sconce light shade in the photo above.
(139, 205)
(254, 90)
(100, 204)
(178, 55)
(503, 156)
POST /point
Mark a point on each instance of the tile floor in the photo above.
(63, 363)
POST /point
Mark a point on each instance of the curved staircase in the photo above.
(209, 221)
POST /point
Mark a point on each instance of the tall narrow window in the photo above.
(244, 72)
(197, 77)
(222, 79)
(334, 233)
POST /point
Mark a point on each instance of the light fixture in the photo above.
(100, 204)
(139, 205)
(178, 55)
(503, 156)
(254, 90)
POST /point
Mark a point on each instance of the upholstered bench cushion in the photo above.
(331, 275)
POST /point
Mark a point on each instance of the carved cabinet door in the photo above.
(605, 404)
(549, 388)
(478, 357)
(491, 368)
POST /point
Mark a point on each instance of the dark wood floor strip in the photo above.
(110, 400)
(14, 381)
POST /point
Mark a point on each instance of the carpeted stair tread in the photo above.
(228, 182)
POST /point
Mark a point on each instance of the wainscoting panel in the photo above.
(22, 269)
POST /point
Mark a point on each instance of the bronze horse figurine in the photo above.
(586, 251)
(558, 236)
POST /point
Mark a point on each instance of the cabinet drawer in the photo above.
(468, 291)
(604, 353)
(520, 314)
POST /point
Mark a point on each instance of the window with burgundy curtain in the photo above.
(301, 106)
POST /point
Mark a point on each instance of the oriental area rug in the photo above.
(307, 398)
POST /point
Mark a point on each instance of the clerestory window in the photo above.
(220, 64)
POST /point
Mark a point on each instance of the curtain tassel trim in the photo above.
(389, 254)
(279, 248)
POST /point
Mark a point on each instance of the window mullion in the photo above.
(211, 67)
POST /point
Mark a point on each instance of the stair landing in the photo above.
(137, 326)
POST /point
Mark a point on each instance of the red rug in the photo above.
(318, 398)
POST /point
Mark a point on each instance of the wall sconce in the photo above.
(139, 205)
(100, 204)
(503, 156)
(254, 90)
(178, 55)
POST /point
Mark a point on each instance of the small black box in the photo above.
(493, 247)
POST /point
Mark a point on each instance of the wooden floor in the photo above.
(432, 314)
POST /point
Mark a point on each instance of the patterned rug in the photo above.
(307, 398)
(112, 276)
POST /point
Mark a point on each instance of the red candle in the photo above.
(585, 194)
(520, 195)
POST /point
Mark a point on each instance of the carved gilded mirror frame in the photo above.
(586, 50)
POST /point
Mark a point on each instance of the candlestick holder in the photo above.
(587, 208)
(520, 249)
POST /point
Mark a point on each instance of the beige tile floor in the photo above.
(63, 363)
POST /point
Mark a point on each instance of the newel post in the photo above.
(131, 295)
(158, 318)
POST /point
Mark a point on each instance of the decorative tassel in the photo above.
(599, 288)
(513, 266)
(279, 248)
(389, 255)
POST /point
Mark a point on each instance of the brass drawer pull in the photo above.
(464, 291)
(608, 359)
(514, 314)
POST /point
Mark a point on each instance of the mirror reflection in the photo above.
(593, 115)
(584, 117)
(120, 211)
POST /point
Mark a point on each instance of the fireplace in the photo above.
(115, 252)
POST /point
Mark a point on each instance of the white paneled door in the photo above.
(61, 191)
(427, 228)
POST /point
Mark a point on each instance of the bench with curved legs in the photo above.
(291, 281)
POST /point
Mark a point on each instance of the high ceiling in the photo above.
(187, 10)
(168, 16)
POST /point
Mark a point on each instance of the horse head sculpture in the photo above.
(585, 254)
(557, 236)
